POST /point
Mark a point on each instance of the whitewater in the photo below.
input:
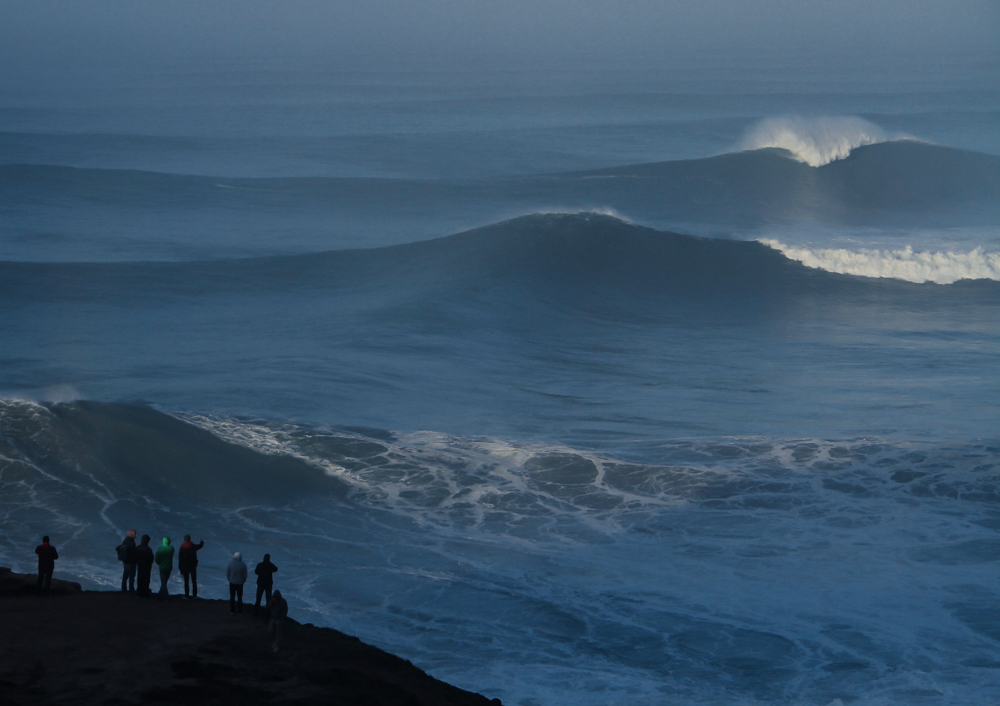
(816, 141)
(905, 264)
(615, 392)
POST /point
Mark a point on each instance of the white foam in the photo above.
(815, 140)
(796, 571)
(53, 393)
(905, 264)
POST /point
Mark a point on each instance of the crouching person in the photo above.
(279, 611)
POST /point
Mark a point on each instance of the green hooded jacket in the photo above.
(165, 556)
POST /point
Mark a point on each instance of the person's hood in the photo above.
(237, 557)
(145, 540)
(166, 541)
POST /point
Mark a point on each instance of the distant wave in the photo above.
(905, 264)
(120, 215)
(585, 262)
(817, 140)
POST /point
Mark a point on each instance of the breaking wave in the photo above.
(816, 140)
(542, 559)
(120, 215)
(905, 264)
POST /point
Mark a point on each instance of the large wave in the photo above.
(815, 140)
(118, 215)
(120, 456)
(545, 262)
(527, 568)
(905, 264)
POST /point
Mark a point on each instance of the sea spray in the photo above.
(815, 140)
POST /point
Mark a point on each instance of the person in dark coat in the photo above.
(265, 581)
(279, 611)
(187, 564)
(126, 555)
(47, 556)
(144, 565)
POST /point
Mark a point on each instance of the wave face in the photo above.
(815, 140)
(583, 318)
(874, 180)
(514, 566)
(939, 267)
(91, 214)
(583, 260)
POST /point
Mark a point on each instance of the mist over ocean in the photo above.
(585, 386)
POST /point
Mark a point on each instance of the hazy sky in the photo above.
(61, 30)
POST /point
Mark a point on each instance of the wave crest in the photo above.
(905, 264)
(815, 141)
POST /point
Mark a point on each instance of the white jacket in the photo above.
(237, 571)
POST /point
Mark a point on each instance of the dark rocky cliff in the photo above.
(84, 647)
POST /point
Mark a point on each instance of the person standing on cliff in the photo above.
(144, 564)
(165, 561)
(236, 572)
(279, 611)
(126, 555)
(187, 564)
(47, 556)
(265, 580)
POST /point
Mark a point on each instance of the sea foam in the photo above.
(905, 264)
(815, 140)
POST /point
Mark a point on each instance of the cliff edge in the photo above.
(96, 647)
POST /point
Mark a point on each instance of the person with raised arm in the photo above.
(187, 564)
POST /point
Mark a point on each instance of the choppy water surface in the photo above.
(600, 390)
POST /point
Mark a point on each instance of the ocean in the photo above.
(586, 386)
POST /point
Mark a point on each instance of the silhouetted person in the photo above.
(126, 555)
(165, 561)
(144, 564)
(265, 580)
(187, 564)
(279, 611)
(237, 575)
(47, 556)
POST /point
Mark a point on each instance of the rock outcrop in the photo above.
(23, 584)
(86, 647)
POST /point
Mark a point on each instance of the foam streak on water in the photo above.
(756, 570)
